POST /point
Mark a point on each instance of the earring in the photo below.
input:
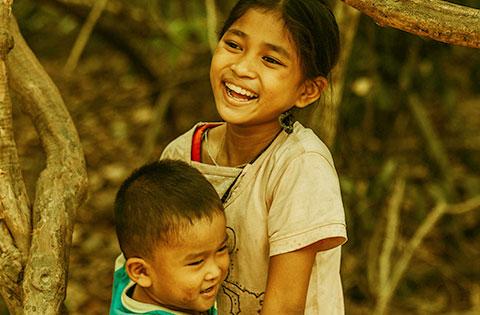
(286, 121)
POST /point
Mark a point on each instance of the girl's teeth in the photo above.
(240, 90)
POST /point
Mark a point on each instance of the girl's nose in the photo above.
(243, 68)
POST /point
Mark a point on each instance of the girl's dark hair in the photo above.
(157, 202)
(311, 24)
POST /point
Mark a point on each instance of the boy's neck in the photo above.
(139, 294)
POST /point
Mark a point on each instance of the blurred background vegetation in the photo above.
(408, 142)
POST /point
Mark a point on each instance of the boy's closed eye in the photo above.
(195, 263)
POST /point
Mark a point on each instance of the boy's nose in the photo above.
(214, 271)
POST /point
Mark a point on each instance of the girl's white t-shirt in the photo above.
(287, 199)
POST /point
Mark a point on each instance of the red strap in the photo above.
(196, 154)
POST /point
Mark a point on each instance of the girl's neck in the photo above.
(240, 145)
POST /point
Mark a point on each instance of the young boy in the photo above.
(171, 229)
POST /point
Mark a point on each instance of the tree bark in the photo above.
(33, 273)
(14, 210)
(439, 20)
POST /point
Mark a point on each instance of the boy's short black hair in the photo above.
(157, 201)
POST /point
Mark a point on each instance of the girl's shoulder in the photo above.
(180, 147)
(302, 142)
(298, 163)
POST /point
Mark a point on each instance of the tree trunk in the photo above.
(35, 240)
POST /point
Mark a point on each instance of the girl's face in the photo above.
(255, 71)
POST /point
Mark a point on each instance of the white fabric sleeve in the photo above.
(306, 205)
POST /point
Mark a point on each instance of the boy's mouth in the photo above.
(238, 93)
(207, 290)
(210, 291)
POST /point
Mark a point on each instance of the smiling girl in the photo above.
(277, 179)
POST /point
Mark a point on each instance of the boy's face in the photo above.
(187, 274)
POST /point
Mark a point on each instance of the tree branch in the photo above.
(14, 204)
(212, 23)
(403, 262)
(61, 186)
(117, 36)
(14, 210)
(469, 205)
(391, 232)
(436, 19)
(435, 147)
(84, 35)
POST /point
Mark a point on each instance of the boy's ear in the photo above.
(139, 271)
(312, 89)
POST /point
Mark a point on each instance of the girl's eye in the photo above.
(232, 44)
(271, 60)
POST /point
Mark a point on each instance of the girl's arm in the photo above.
(288, 278)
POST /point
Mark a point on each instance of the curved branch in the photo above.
(14, 204)
(14, 210)
(61, 186)
(438, 20)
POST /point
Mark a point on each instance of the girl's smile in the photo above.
(238, 93)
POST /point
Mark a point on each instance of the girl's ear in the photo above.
(138, 271)
(312, 89)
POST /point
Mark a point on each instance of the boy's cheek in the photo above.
(225, 267)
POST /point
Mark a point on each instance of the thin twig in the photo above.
(158, 122)
(391, 232)
(435, 147)
(373, 252)
(211, 24)
(84, 35)
(469, 205)
(404, 261)
(427, 225)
